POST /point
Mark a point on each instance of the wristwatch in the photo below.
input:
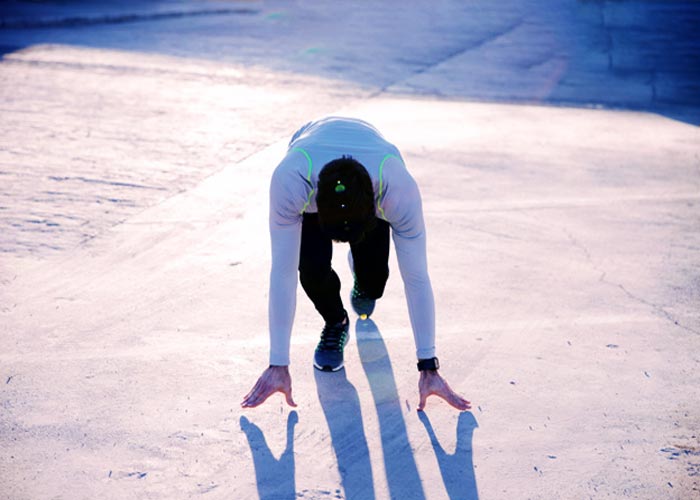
(428, 364)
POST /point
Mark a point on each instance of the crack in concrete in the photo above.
(117, 184)
(660, 311)
(460, 51)
(576, 243)
(78, 21)
(495, 234)
(657, 308)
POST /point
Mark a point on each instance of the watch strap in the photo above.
(428, 364)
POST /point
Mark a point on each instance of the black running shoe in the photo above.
(329, 352)
(361, 303)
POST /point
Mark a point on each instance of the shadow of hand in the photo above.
(457, 469)
(275, 478)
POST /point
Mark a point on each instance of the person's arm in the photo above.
(285, 242)
(402, 207)
(285, 239)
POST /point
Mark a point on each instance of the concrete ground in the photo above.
(557, 151)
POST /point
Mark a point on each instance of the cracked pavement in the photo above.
(557, 153)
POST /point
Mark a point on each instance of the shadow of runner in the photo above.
(275, 478)
(341, 407)
(399, 462)
(457, 470)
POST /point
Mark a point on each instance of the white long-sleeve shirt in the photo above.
(293, 193)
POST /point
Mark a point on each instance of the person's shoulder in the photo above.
(393, 169)
(295, 161)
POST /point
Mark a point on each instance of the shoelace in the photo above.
(333, 338)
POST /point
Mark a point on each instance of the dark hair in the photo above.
(345, 200)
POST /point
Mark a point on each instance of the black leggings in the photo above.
(370, 260)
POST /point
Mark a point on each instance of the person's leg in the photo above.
(371, 260)
(317, 278)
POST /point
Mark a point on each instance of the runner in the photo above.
(342, 181)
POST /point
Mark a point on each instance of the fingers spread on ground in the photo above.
(464, 404)
(256, 400)
(255, 388)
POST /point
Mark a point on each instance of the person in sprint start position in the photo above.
(342, 181)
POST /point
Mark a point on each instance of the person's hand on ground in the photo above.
(431, 383)
(274, 379)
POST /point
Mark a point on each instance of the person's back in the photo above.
(334, 132)
(318, 143)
